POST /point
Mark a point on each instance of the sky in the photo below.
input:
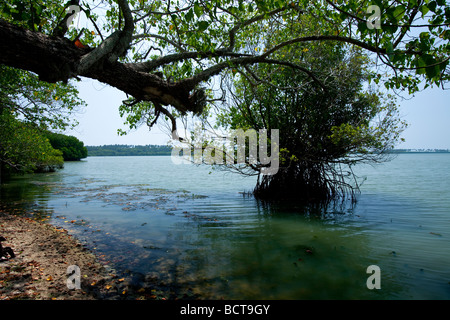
(427, 113)
(428, 116)
(100, 120)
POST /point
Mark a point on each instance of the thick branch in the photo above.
(243, 61)
(101, 52)
(145, 86)
(58, 59)
(115, 46)
(53, 59)
(151, 65)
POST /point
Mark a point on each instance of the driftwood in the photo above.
(5, 252)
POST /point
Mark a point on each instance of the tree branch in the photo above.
(216, 69)
(53, 59)
(58, 59)
(326, 38)
(232, 32)
(151, 65)
(157, 36)
(115, 46)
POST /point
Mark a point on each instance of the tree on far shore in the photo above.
(24, 149)
(72, 149)
(28, 109)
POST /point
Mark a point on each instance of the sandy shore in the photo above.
(43, 255)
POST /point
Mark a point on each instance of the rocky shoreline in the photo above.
(39, 271)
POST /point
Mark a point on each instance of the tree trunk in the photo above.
(58, 59)
(307, 184)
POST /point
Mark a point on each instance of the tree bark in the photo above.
(56, 59)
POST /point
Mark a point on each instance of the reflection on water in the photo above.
(193, 231)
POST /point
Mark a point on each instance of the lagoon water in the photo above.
(194, 230)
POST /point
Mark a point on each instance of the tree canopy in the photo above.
(177, 57)
(23, 148)
(322, 134)
(170, 56)
(28, 108)
(72, 149)
(45, 105)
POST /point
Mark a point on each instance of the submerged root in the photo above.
(312, 184)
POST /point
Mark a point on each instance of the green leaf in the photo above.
(432, 72)
(424, 35)
(390, 51)
(198, 10)
(432, 6)
(424, 10)
(362, 27)
(189, 16)
(203, 25)
(399, 12)
(390, 29)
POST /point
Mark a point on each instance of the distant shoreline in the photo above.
(165, 150)
(130, 155)
(128, 150)
(396, 151)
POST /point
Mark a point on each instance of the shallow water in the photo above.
(193, 229)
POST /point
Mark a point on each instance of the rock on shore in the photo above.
(43, 255)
